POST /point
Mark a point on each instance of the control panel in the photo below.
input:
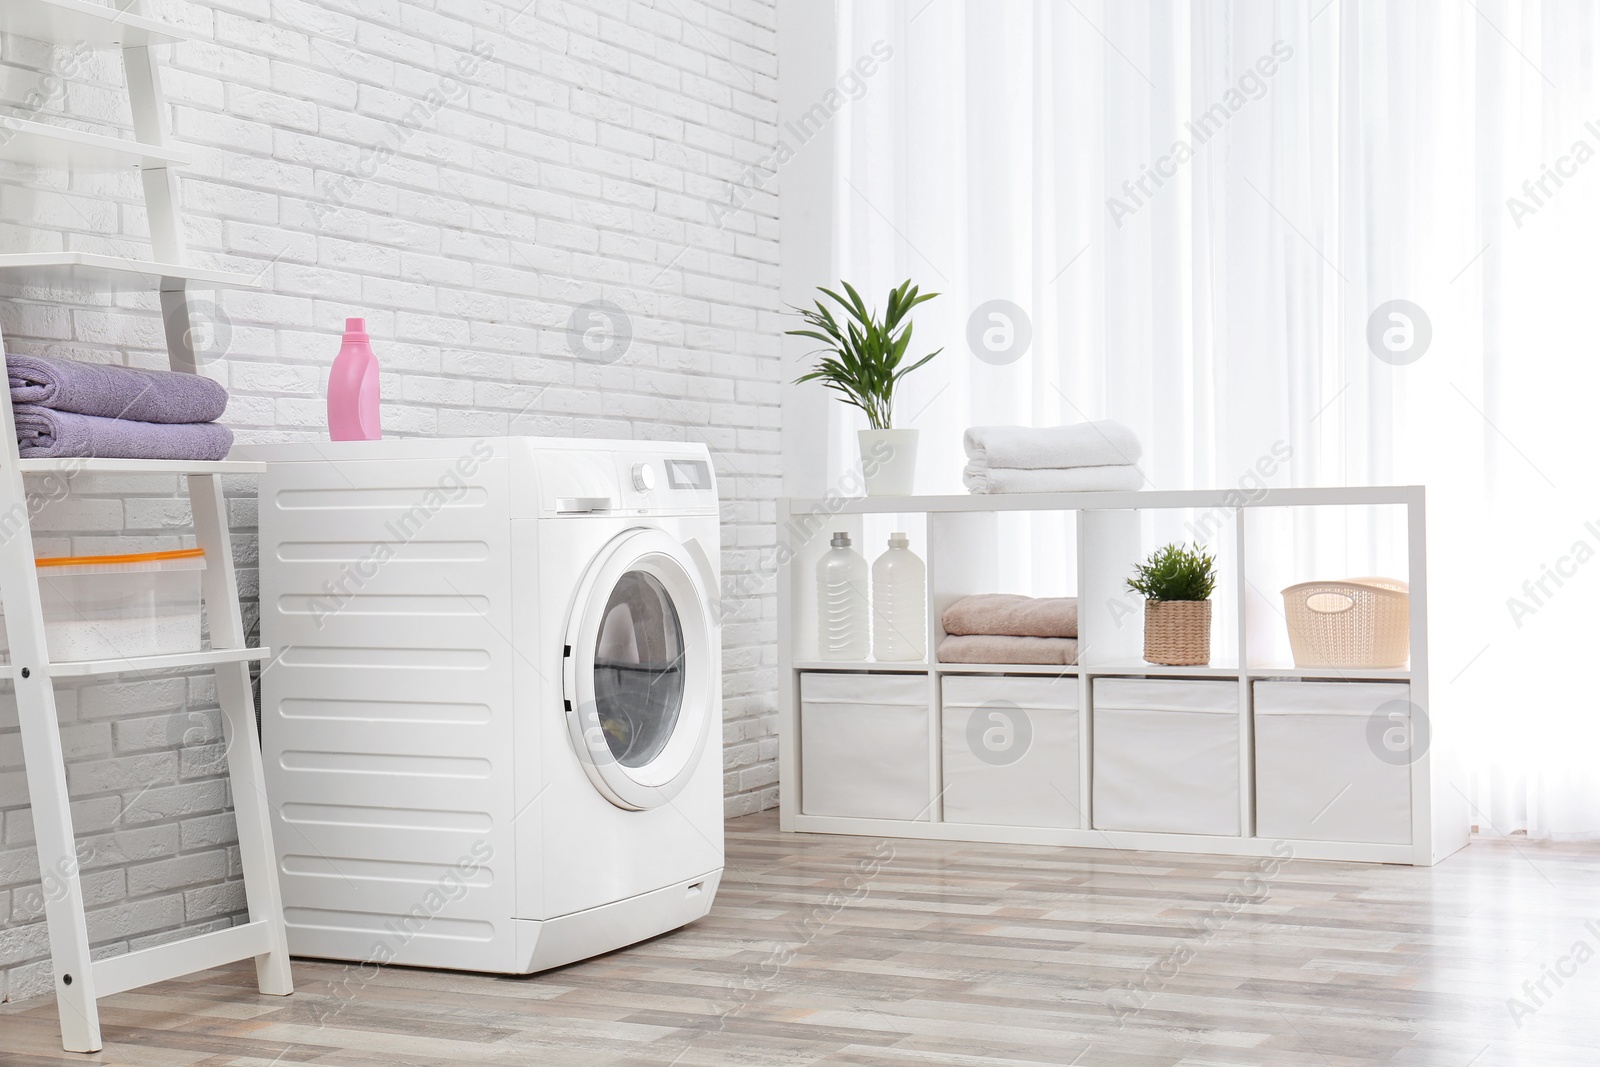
(610, 477)
(653, 481)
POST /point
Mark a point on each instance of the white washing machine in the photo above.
(492, 721)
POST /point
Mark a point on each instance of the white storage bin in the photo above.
(864, 745)
(1011, 751)
(116, 607)
(1322, 771)
(1166, 756)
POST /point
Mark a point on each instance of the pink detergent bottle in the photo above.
(353, 388)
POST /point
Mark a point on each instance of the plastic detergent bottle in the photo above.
(842, 615)
(353, 388)
(899, 604)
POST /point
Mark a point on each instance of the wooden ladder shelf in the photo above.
(80, 980)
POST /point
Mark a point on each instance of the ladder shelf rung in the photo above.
(90, 271)
(39, 144)
(159, 963)
(206, 658)
(140, 466)
(67, 22)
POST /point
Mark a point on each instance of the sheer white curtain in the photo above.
(1350, 154)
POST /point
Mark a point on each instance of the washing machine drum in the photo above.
(639, 669)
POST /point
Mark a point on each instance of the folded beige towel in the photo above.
(987, 648)
(1009, 615)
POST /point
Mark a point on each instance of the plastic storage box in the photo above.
(117, 607)
(1324, 769)
(1011, 751)
(1166, 756)
(864, 745)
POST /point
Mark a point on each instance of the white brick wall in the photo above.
(465, 178)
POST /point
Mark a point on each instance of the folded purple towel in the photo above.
(114, 392)
(46, 434)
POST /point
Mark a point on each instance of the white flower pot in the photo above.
(889, 461)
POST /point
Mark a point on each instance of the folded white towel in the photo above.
(1110, 477)
(1087, 444)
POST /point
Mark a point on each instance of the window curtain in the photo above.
(1195, 218)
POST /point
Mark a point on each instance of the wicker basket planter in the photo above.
(1177, 633)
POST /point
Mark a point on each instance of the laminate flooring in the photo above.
(892, 953)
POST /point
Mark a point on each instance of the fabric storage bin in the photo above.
(1323, 772)
(864, 745)
(117, 607)
(1166, 756)
(1011, 751)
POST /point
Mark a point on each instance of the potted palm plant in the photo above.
(1176, 583)
(864, 360)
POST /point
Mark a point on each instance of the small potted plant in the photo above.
(1176, 583)
(864, 360)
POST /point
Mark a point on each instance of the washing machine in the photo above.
(491, 719)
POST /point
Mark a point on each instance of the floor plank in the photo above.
(856, 952)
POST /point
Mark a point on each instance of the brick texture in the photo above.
(469, 175)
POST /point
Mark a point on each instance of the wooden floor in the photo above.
(855, 951)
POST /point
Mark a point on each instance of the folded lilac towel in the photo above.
(1008, 615)
(114, 392)
(984, 648)
(46, 434)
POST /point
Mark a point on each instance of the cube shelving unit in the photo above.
(1262, 544)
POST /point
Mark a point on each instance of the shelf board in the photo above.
(208, 658)
(139, 466)
(87, 271)
(1157, 670)
(1050, 669)
(858, 665)
(67, 22)
(1117, 669)
(1113, 501)
(1122, 840)
(1333, 674)
(39, 144)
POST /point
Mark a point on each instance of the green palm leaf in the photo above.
(862, 356)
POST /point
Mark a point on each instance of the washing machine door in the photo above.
(639, 669)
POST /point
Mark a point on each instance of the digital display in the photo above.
(688, 474)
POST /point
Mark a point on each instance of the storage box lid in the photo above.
(861, 687)
(1166, 694)
(1041, 694)
(1327, 698)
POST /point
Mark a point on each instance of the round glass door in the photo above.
(640, 670)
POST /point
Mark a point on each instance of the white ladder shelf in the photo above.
(79, 980)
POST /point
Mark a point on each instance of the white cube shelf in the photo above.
(901, 764)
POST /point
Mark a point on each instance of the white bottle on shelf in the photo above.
(843, 629)
(899, 604)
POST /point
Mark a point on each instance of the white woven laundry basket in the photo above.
(1357, 622)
